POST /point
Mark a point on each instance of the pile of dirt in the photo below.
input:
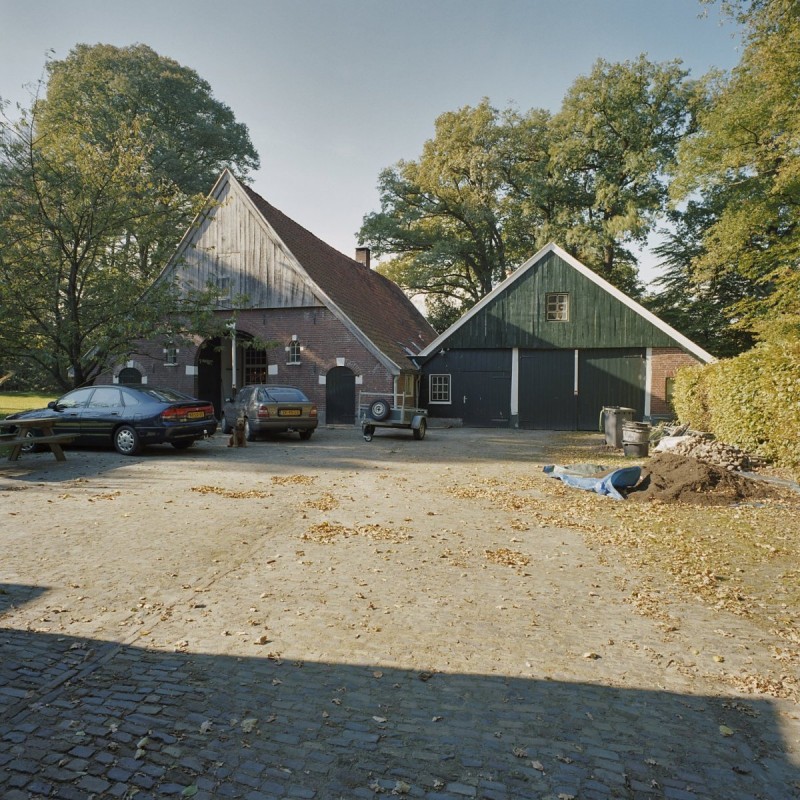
(671, 478)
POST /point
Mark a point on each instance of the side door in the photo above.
(70, 410)
(340, 396)
(101, 415)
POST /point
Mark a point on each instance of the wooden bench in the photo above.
(54, 440)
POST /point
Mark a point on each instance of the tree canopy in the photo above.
(443, 217)
(745, 159)
(493, 186)
(98, 180)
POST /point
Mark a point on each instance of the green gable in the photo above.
(516, 316)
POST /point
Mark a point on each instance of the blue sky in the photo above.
(333, 91)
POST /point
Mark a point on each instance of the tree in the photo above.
(616, 137)
(747, 153)
(493, 187)
(443, 218)
(700, 309)
(95, 191)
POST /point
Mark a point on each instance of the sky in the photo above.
(333, 91)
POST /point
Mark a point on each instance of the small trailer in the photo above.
(377, 410)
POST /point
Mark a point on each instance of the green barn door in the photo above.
(609, 378)
(547, 390)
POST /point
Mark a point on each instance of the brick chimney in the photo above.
(362, 256)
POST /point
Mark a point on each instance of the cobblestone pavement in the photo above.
(205, 624)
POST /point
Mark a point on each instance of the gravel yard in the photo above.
(338, 618)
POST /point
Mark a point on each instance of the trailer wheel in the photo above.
(379, 410)
(419, 433)
(368, 431)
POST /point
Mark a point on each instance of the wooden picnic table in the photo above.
(18, 438)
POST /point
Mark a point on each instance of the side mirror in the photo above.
(53, 405)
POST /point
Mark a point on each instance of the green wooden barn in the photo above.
(549, 348)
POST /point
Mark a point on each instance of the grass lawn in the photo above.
(22, 401)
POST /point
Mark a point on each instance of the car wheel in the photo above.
(183, 444)
(126, 441)
(379, 410)
(306, 435)
(225, 425)
(31, 446)
(249, 433)
(419, 433)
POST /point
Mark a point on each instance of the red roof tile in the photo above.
(376, 305)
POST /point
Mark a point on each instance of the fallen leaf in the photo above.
(726, 731)
(249, 724)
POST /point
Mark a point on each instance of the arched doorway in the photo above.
(129, 375)
(340, 396)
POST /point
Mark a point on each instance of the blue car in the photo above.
(127, 417)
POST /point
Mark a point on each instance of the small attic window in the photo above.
(557, 307)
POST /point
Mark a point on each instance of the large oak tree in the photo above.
(493, 186)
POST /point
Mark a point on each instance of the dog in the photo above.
(238, 439)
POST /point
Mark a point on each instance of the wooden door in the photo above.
(547, 390)
(340, 396)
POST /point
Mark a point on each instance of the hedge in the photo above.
(751, 401)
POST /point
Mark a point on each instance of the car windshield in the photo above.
(284, 394)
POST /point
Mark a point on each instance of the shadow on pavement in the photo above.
(82, 718)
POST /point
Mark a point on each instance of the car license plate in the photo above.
(195, 414)
(289, 412)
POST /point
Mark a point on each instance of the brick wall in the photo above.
(666, 361)
(323, 339)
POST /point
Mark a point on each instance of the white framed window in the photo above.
(439, 388)
(171, 356)
(557, 307)
(293, 352)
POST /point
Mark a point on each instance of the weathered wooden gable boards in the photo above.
(233, 248)
(517, 316)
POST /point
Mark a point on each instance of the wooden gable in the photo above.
(232, 247)
(514, 314)
(261, 259)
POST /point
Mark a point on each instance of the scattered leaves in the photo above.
(233, 494)
(288, 480)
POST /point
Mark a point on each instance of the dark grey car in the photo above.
(127, 417)
(266, 408)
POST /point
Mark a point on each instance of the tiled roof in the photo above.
(376, 305)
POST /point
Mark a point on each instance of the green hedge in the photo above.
(751, 401)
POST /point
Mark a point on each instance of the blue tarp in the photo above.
(596, 479)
